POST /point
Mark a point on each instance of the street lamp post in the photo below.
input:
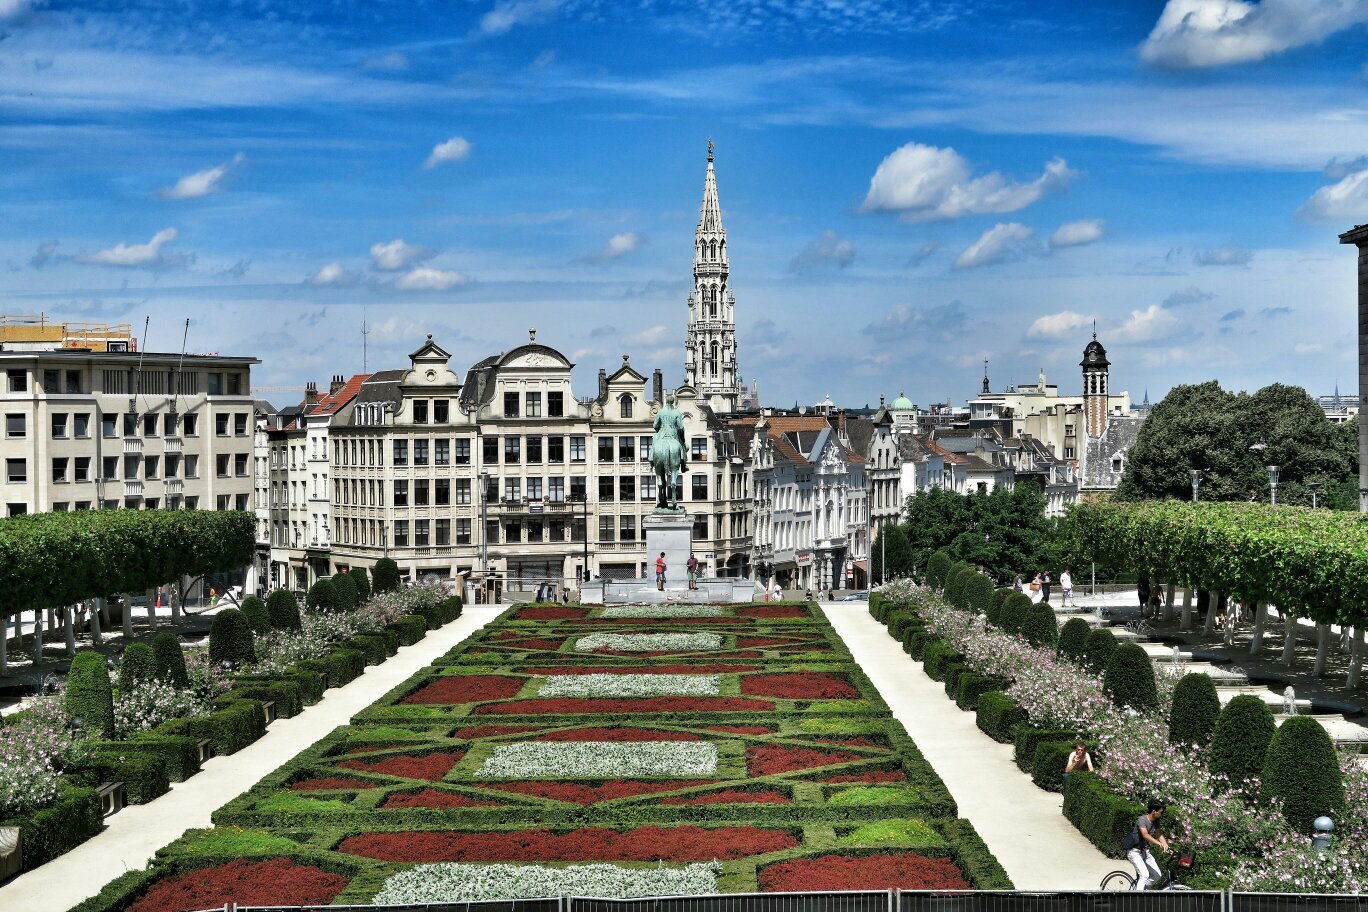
(584, 570)
(484, 533)
(1273, 484)
(1314, 486)
(1196, 481)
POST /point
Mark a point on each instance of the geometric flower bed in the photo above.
(574, 750)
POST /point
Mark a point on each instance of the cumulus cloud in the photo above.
(332, 274)
(1230, 255)
(393, 62)
(425, 278)
(1076, 234)
(1058, 325)
(202, 183)
(1154, 322)
(939, 324)
(151, 255)
(1004, 241)
(508, 14)
(395, 255)
(453, 150)
(1190, 295)
(1212, 33)
(45, 254)
(18, 9)
(1275, 312)
(1344, 201)
(926, 183)
(618, 246)
(827, 250)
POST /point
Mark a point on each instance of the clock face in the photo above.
(432, 375)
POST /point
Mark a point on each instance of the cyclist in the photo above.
(1138, 844)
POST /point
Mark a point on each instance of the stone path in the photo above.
(135, 833)
(1021, 824)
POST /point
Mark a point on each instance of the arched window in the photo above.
(625, 405)
(712, 306)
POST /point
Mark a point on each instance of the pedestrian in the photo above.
(1066, 588)
(1079, 759)
(213, 597)
(1045, 586)
(692, 566)
(809, 593)
(1035, 589)
(1017, 584)
(660, 572)
(778, 592)
(1138, 843)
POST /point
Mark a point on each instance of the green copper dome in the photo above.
(902, 404)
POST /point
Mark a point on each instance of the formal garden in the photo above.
(1243, 791)
(565, 750)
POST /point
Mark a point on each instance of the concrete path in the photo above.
(1022, 825)
(135, 833)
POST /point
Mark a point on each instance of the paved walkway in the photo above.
(135, 833)
(1021, 824)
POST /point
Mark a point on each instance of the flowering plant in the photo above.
(441, 883)
(147, 704)
(34, 749)
(599, 759)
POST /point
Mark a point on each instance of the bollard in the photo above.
(1325, 828)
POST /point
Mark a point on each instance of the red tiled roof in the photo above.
(330, 403)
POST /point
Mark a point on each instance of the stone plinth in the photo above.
(673, 534)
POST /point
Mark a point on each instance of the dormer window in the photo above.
(625, 405)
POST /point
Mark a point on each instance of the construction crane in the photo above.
(277, 389)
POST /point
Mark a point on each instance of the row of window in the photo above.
(529, 405)
(423, 533)
(131, 382)
(515, 449)
(76, 425)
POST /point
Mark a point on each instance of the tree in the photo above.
(1240, 743)
(893, 549)
(1129, 678)
(1004, 531)
(1072, 637)
(254, 610)
(1196, 707)
(932, 520)
(363, 586)
(1040, 627)
(88, 695)
(344, 592)
(977, 594)
(385, 575)
(937, 568)
(283, 609)
(1302, 770)
(1014, 611)
(230, 638)
(138, 663)
(322, 596)
(170, 657)
(1098, 649)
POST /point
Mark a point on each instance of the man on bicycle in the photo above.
(1138, 844)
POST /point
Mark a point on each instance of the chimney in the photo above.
(337, 383)
(311, 393)
(658, 386)
(603, 384)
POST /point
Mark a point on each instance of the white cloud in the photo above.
(425, 278)
(202, 183)
(925, 183)
(1344, 201)
(1058, 325)
(511, 13)
(16, 9)
(924, 252)
(332, 274)
(1190, 295)
(1076, 234)
(149, 255)
(618, 246)
(1005, 240)
(453, 150)
(1211, 33)
(1154, 322)
(395, 255)
(1229, 255)
(829, 249)
(654, 335)
(45, 254)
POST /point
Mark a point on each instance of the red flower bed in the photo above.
(871, 776)
(772, 611)
(625, 705)
(742, 729)
(543, 645)
(768, 759)
(617, 734)
(431, 798)
(743, 654)
(744, 642)
(312, 785)
(372, 748)
(642, 669)
(657, 622)
(901, 871)
(806, 685)
(467, 689)
(487, 731)
(278, 882)
(651, 843)
(592, 794)
(431, 766)
(730, 796)
(550, 614)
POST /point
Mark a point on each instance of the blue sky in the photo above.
(908, 186)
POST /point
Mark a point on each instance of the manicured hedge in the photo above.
(937, 657)
(1047, 764)
(1040, 627)
(1196, 707)
(1014, 611)
(61, 826)
(144, 775)
(287, 695)
(1028, 738)
(937, 568)
(178, 752)
(229, 728)
(952, 674)
(385, 575)
(258, 618)
(978, 594)
(230, 638)
(344, 666)
(443, 613)
(137, 664)
(1102, 816)
(971, 854)
(283, 609)
(409, 629)
(999, 715)
(89, 695)
(1098, 649)
(1302, 771)
(1129, 678)
(170, 658)
(1073, 637)
(971, 686)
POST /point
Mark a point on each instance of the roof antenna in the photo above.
(137, 377)
(1094, 330)
(185, 336)
(365, 331)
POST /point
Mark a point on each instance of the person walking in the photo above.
(1035, 589)
(1137, 845)
(660, 572)
(692, 566)
(1045, 586)
(1017, 584)
(1065, 589)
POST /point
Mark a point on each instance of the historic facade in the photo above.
(710, 346)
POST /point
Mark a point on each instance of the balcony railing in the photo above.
(173, 444)
(133, 445)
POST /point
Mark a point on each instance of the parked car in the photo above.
(858, 595)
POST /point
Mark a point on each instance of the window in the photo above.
(82, 469)
(441, 454)
(240, 425)
(491, 492)
(625, 405)
(605, 487)
(627, 526)
(59, 425)
(462, 451)
(221, 465)
(172, 465)
(221, 425)
(240, 465)
(420, 492)
(577, 529)
(555, 404)
(151, 464)
(555, 490)
(463, 490)
(648, 487)
(420, 411)
(130, 425)
(16, 471)
(534, 405)
(191, 470)
(700, 528)
(109, 426)
(441, 411)
(443, 532)
(82, 505)
(401, 452)
(512, 449)
(150, 423)
(534, 530)
(82, 426)
(555, 449)
(491, 451)
(109, 468)
(644, 448)
(18, 509)
(511, 405)
(73, 381)
(605, 449)
(698, 486)
(239, 502)
(18, 381)
(401, 533)
(698, 449)
(556, 530)
(462, 531)
(192, 502)
(492, 531)
(578, 488)
(190, 424)
(15, 425)
(59, 471)
(401, 493)
(577, 449)
(213, 384)
(626, 449)
(52, 381)
(512, 489)
(512, 530)
(627, 488)
(607, 528)
(534, 489)
(60, 506)
(420, 452)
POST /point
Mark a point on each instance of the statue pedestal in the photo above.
(673, 534)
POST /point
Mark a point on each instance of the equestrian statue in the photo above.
(667, 456)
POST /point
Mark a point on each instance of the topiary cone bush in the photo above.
(385, 575)
(978, 594)
(138, 663)
(1098, 649)
(322, 596)
(937, 569)
(950, 592)
(1000, 597)
(254, 610)
(1129, 678)
(1302, 769)
(230, 638)
(1196, 707)
(1240, 742)
(1073, 637)
(283, 609)
(1040, 627)
(344, 589)
(88, 694)
(363, 585)
(166, 648)
(1014, 611)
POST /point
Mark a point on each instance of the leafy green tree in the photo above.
(283, 608)
(363, 585)
(89, 696)
(1196, 707)
(322, 596)
(932, 521)
(230, 638)
(893, 549)
(1129, 678)
(1302, 769)
(138, 663)
(1072, 638)
(1240, 743)
(344, 592)
(385, 575)
(170, 658)
(254, 610)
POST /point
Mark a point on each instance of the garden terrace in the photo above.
(557, 767)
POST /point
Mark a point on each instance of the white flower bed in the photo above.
(649, 642)
(663, 611)
(600, 760)
(451, 882)
(631, 685)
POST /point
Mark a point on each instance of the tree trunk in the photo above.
(1214, 604)
(1356, 659)
(1168, 603)
(1289, 638)
(97, 608)
(1260, 616)
(127, 618)
(1322, 647)
(104, 611)
(151, 609)
(173, 596)
(4, 646)
(1185, 619)
(37, 638)
(69, 626)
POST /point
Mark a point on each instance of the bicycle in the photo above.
(1124, 880)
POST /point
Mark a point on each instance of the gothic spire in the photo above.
(710, 213)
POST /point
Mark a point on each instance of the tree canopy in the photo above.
(1003, 531)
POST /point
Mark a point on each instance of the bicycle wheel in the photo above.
(1117, 881)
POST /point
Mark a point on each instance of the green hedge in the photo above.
(409, 629)
(1102, 816)
(144, 775)
(1040, 627)
(345, 593)
(999, 715)
(287, 695)
(1028, 738)
(937, 657)
(1196, 707)
(373, 647)
(384, 575)
(344, 666)
(178, 752)
(937, 568)
(229, 728)
(258, 618)
(137, 664)
(1129, 678)
(1072, 638)
(170, 656)
(283, 609)
(978, 594)
(230, 638)
(972, 856)
(1014, 611)
(61, 826)
(1302, 771)
(953, 672)
(89, 695)
(971, 686)
(1047, 765)
(1098, 649)
(917, 643)
(442, 613)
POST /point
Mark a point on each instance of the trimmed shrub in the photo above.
(344, 666)
(89, 696)
(876, 603)
(1196, 707)
(952, 584)
(971, 855)
(1098, 649)
(1102, 816)
(1129, 678)
(170, 658)
(978, 594)
(953, 672)
(1302, 770)
(937, 568)
(994, 611)
(254, 610)
(385, 575)
(143, 774)
(363, 584)
(179, 753)
(1015, 608)
(61, 826)
(230, 638)
(287, 695)
(1028, 738)
(310, 683)
(937, 658)
(1073, 638)
(972, 686)
(999, 715)
(409, 629)
(917, 643)
(229, 729)
(138, 663)
(322, 596)
(1047, 764)
(1240, 742)
(344, 592)
(1040, 627)
(283, 610)
(371, 646)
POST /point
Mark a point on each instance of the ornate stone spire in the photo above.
(710, 213)
(710, 348)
